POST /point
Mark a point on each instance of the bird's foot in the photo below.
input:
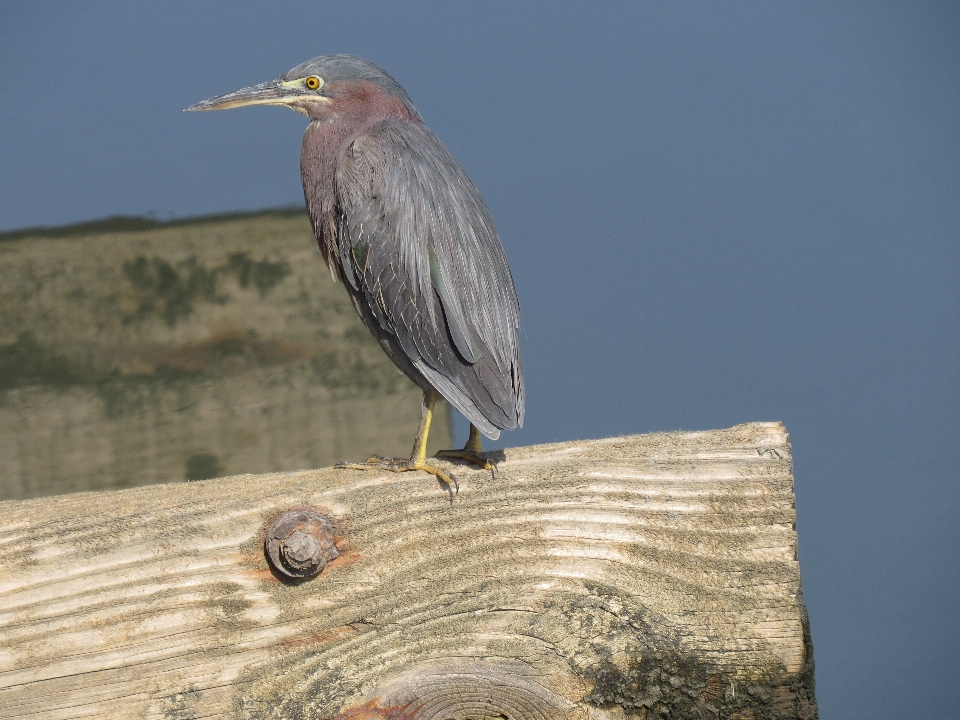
(398, 465)
(474, 458)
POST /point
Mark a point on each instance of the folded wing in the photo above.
(417, 239)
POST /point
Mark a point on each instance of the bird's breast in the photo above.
(319, 155)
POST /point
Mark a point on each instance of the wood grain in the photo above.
(645, 576)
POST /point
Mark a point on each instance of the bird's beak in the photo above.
(275, 92)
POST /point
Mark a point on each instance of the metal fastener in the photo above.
(299, 543)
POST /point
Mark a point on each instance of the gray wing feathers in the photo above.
(417, 239)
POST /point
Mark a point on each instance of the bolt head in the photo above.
(299, 543)
(300, 547)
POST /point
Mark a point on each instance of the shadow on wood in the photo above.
(637, 577)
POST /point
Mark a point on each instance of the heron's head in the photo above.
(324, 87)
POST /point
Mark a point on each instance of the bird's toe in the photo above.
(467, 456)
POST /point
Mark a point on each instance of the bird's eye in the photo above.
(313, 82)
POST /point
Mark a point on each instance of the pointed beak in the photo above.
(274, 92)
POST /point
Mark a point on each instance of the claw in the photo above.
(447, 479)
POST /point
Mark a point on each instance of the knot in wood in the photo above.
(463, 690)
(299, 543)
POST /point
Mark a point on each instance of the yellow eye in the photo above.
(313, 82)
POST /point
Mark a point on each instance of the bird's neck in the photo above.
(323, 144)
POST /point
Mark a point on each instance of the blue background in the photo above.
(715, 213)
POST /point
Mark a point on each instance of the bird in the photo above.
(404, 229)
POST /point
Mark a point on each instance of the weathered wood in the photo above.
(646, 576)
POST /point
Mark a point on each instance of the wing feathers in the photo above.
(418, 241)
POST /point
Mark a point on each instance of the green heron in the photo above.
(404, 229)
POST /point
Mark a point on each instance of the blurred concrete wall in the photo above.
(135, 352)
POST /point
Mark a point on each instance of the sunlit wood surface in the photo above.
(638, 577)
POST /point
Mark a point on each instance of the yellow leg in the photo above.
(475, 441)
(470, 452)
(419, 454)
(418, 458)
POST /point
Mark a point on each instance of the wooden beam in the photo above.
(636, 577)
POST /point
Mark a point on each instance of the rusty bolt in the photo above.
(299, 543)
